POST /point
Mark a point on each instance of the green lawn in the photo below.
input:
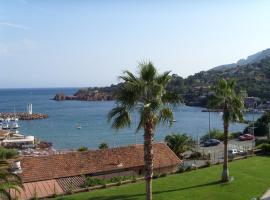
(251, 178)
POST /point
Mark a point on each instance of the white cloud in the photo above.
(12, 25)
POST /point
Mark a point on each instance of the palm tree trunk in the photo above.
(148, 157)
(225, 173)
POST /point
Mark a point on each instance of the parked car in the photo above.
(211, 142)
(246, 137)
(232, 153)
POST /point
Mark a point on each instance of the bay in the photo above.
(61, 126)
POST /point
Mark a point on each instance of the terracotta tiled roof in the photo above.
(79, 163)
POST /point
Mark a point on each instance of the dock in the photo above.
(24, 116)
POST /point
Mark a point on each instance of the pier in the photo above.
(24, 116)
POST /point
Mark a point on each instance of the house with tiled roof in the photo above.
(46, 176)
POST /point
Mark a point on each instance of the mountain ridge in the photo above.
(253, 58)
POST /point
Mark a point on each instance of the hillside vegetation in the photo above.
(253, 78)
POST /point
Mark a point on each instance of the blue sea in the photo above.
(61, 126)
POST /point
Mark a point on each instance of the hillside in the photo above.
(249, 60)
(253, 78)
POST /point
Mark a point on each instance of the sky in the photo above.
(79, 43)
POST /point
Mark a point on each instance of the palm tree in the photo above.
(8, 181)
(225, 98)
(146, 94)
(179, 143)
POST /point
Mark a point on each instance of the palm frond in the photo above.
(164, 78)
(5, 194)
(147, 71)
(128, 77)
(166, 116)
(171, 98)
(122, 120)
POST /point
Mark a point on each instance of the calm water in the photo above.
(60, 127)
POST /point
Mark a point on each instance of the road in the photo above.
(216, 152)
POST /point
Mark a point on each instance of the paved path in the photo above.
(266, 195)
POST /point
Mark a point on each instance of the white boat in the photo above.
(79, 126)
(14, 125)
(5, 125)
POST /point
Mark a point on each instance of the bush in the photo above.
(180, 170)
(219, 135)
(261, 125)
(195, 155)
(8, 153)
(134, 179)
(163, 175)
(83, 149)
(90, 182)
(180, 143)
(208, 163)
(189, 168)
(262, 141)
(103, 146)
(264, 147)
(235, 135)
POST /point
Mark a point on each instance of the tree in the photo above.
(103, 146)
(225, 98)
(8, 181)
(145, 93)
(261, 125)
(179, 143)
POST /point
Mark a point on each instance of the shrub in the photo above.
(180, 143)
(163, 175)
(180, 170)
(155, 176)
(103, 146)
(195, 155)
(262, 141)
(208, 163)
(261, 125)
(235, 135)
(83, 148)
(134, 179)
(214, 134)
(90, 182)
(8, 153)
(119, 183)
(189, 168)
(219, 135)
(264, 147)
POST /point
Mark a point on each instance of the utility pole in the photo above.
(253, 125)
(268, 136)
(209, 128)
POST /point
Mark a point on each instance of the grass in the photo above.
(251, 178)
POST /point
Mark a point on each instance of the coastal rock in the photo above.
(60, 97)
(86, 95)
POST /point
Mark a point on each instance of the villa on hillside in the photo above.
(46, 176)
